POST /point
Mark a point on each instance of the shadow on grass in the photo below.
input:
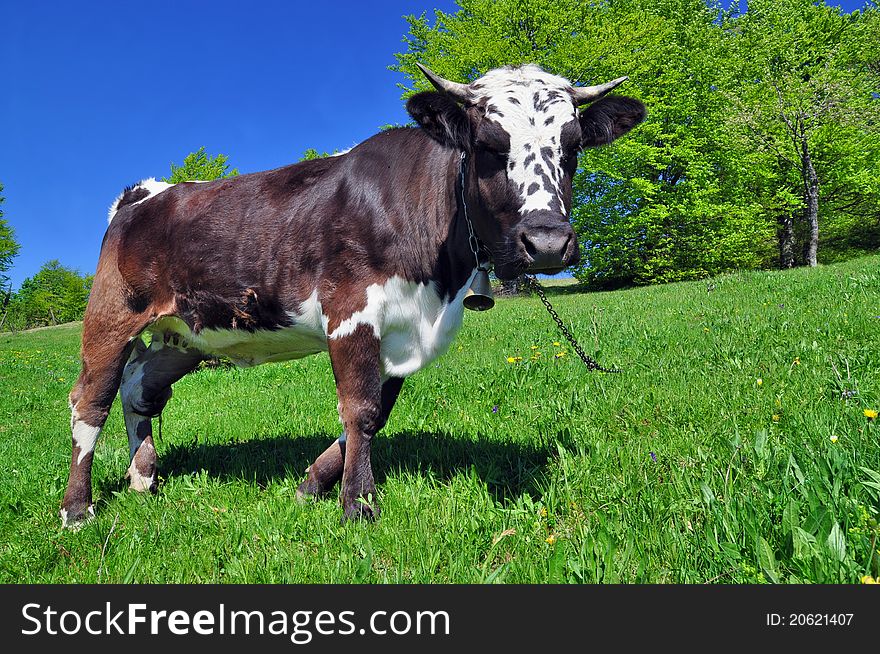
(507, 469)
(550, 291)
(564, 289)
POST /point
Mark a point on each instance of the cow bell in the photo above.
(479, 295)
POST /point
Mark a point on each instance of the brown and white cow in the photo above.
(365, 255)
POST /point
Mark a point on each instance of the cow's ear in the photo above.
(442, 118)
(606, 119)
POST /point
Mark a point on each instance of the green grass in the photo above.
(747, 485)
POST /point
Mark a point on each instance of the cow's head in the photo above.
(522, 131)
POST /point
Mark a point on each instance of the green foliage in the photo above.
(801, 77)
(201, 166)
(56, 294)
(387, 126)
(9, 249)
(532, 471)
(684, 195)
(311, 153)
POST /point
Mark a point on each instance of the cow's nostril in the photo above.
(530, 247)
(565, 247)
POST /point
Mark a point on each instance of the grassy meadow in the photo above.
(735, 447)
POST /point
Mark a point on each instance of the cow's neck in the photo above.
(456, 255)
(471, 207)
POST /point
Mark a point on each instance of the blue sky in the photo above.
(97, 95)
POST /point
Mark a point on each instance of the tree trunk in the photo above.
(811, 209)
(785, 234)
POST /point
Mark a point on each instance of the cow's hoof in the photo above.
(140, 483)
(75, 517)
(359, 509)
(310, 490)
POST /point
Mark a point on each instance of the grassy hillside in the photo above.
(734, 448)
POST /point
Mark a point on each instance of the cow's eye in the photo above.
(493, 155)
(501, 156)
(490, 162)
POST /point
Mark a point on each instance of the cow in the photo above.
(366, 255)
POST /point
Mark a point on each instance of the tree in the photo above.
(804, 93)
(56, 294)
(312, 153)
(9, 249)
(200, 166)
(667, 202)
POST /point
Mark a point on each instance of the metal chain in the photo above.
(591, 363)
(473, 241)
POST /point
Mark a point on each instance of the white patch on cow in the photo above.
(511, 96)
(415, 326)
(150, 184)
(369, 315)
(76, 526)
(311, 314)
(84, 436)
(414, 323)
(136, 481)
(307, 335)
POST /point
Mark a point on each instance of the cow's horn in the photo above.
(585, 94)
(455, 89)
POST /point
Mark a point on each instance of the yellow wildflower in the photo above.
(543, 512)
(797, 361)
(870, 414)
(551, 539)
(534, 347)
(759, 381)
(511, 359)
(555, 343)
(868, 579)
(560, 354)
(775, 417)
(833, 438)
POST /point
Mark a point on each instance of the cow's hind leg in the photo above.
(107, 342)
(327, 468)
(146, 388)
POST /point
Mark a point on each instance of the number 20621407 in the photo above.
(809, 619)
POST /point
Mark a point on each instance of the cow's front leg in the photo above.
(355, 361)
(327, 468)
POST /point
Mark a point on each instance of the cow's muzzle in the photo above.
(545, 242)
